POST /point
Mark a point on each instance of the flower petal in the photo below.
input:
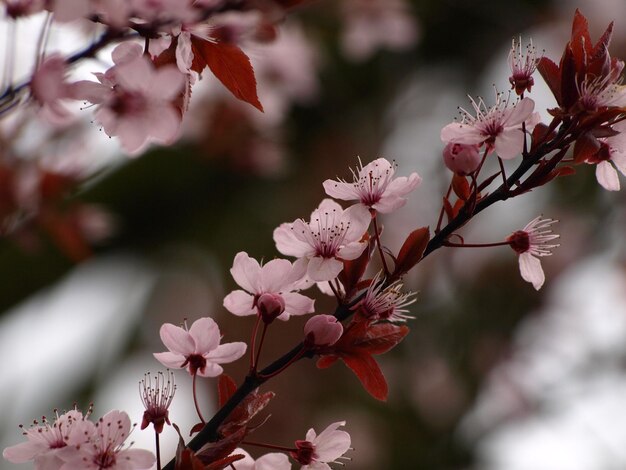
(239, 303)
(324, 269)
(226, 353)
(275, 275)
(509, 143)
(246, 272)
(340, 190)
(176, 339)
(531, 271)
(171, 360)
(206, 335)
(607, 176)
(297, 304)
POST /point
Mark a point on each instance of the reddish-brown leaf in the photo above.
(368, 372)
(447, 207)
(353, 269)
(569, 88)
(231, 66)
(196, 428)
(552, 76)
(461, 187)
(585, 148)
(412, 250)
(226, 386)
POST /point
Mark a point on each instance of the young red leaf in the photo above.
(586, 147)
(368, 372)
(226, 386)
(353, 269)
(461, 187)
(581, 41)
(412, 250)
(569, 87)
(232, 67)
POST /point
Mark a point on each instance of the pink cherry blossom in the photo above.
(45, 440)
(523, 65)
(271, 461)
(103, 447)
(317, 451)
(49, 87)
(611, 155)
(598, 92)
(331, 235)
(271, 284)
(135, 100)
(322, 330)
(374, 186)
(198, 348)
(385, 303)
(498, 127)
(531, 243)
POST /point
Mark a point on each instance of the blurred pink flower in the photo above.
(530, 244)
(331, 235)
(49, 87)
(276, 278)
(316, 452)
(611, 155)
(271, 461)
(103, 447)
(45, 440)
(374, 186)
(198, 348)
(498, 127)
(135, 100)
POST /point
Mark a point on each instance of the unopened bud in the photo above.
(322, 330)
(270, 306)
(462, 159)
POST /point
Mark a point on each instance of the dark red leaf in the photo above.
(585, 148)
(447, 207)
(196, 428)
(325, 362)
(353, 269)
(581, 41)
(232, 67)
(552, 75)
(461, 187)
(366, 369)
(226, 386)
(412, 250)
(569, 89)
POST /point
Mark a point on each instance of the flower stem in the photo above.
(258, 351)
(269, 446)
(157, 449)
(255, 330)
(474, 245)
(195, 399)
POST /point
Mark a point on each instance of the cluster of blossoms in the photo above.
(73, 442)
(335, 246)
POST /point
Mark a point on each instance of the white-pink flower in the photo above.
(611, 155)
(317, 451)
(45, 441)
(135, 100)
(374, 186)
(531, 243)
(49, 88)
(198, 348)
(522, 65)
(331, 235)
(266, 286)
(271, 461)
(498, 127)
(102, 447)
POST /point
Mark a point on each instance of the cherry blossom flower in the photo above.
(522, 65)
(198, 348)
(103, 447)
(331, 235)
(322, 330)
(268, 289)
(531, 243)
(374, 186)
(135, 100)
(49, 88)
(385, 303)
(598, 92)
(462, 159)
(316, 452)
(271, 461)
(498, 127)
(45, 441)
(610, 155)
(157, 400)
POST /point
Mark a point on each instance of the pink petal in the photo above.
(272, 461)
(136, 75)
(351, 251)
(206, 335)
(388, 204)
(226, 353)
(126, 52)
(461, 134)
(332, 443)
(184, 54)
(519, 113)
(297, 304)
(531, 271)
(509, 143)
(137, 458)
(275, 275)
(239, 303)
(210, 370)
(246, 272)
(24, 451)
(358, 217)
(165, 124)
(324, 269)
(607, 176)
(114, 427)
(403, 185)
(171, 360)
(70, 10)
(167, 83)
(288, 244)
(340, 190)
(619, 159)
(93, 92)
(177, 340)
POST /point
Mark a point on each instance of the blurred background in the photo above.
(493, 376)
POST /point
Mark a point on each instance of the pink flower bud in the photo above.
(270, 306)
(461, 158)
(322, 330)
